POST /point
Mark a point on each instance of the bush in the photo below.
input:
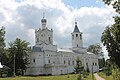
(79, 77)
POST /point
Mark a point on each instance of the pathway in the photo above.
(98, 77)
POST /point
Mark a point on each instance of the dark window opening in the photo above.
(77, 45)
(64, 62)
(80, 36)
(96, 64)
(37, 39)
(72, 36)
(49, 61)
(76, 35)
(34, 60)
(68, 62)
(49, 39)
(73, 62)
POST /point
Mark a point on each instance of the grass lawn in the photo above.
(89, 77)
(60, 77)
(101, 74)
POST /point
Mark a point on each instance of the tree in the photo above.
(96, 49)
(20, 49)
(115, 3)
(78, 67)
(2, 43)
(111, 39)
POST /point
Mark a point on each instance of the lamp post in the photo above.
(14, 66)
(92, 73)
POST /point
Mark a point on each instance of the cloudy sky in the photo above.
(22, 17)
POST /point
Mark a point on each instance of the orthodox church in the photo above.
(47, 59)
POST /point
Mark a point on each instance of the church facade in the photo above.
(47, 59)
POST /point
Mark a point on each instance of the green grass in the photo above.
(101, 74)
(89, 77)
(60, 77)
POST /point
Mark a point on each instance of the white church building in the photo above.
(47, 59)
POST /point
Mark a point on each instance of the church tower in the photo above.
(43, 21)
(76, 37)
(44, 35)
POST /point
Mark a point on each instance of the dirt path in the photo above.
(97, 77)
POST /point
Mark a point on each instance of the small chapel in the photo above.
(47, 59)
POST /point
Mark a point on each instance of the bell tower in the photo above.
(76, 37)
(43, 22)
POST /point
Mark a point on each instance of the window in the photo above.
(64, 62)
(49, 61)
(69, 62)
(49, 39)
(80, 36)
(95, 64)
(34, 60)
(53, 62)
(42, 35)
(73, 36)
(73, 63)
(37, 39)
(76, 35)
(77, 45)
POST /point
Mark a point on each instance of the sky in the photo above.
(22, 17)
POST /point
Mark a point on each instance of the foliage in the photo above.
(111, 39)
(115, 72)
(79, 77)
(78, 67)
(114, 3)
(101, 62)
(20, 49)
(108, 68)
(101, 74)
(85, 73)
(2, 43)
(96, 49)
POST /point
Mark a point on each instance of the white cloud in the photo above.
(21, 18)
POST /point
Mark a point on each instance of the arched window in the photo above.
(73, 63)
(80, 36)
(34, 60)
(73, 36)
(49, 61)
(64, 62)
(77, 45)
(37, 39)
(49, 40)
(76, 35)
(69, 62)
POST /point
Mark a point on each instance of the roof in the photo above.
(90, 53)
(64, 50)
(76, 28)
(36, 49)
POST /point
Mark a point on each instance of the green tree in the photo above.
(113, 42)
(78, 67)
(2, 43)
(115, 3)
(96, 49)
(20, 49)
(111, 39)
